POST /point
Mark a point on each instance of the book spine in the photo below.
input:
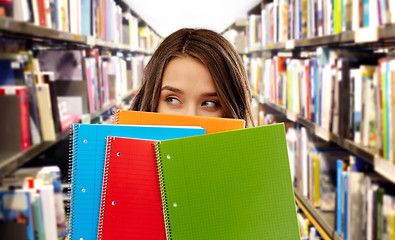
(162, 190)
(104, 187)
(72, 175)
(339, 171)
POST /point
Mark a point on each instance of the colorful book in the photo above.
(339, 199)
(44, 110)
(229, 185)
(131, 206)
(88, 155)
(354, 224)
(24, 127)
(17, 219)
(211, 124)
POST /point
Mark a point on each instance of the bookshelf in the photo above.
(109, 59)
(280, 62)
(386, 35)
(324, 221)
(381, 166)
(9, 162)
(25, 30)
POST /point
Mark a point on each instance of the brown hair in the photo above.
(214, 51)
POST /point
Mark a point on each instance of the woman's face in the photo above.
(188, 89)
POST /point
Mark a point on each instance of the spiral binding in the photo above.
(115, 116)
(104, 187)
(163, 190)
(73, 138)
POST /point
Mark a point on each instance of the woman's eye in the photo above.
(210, 104)
(172, 100)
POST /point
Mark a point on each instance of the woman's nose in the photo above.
(191, 110)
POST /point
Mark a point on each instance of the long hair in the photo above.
(217, 54)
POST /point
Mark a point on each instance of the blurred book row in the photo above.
(333, 180)
(102, 19)
(283, 20)
(32, 206)
(44, 93)
(348, 93)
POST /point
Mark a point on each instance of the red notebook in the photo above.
(131, 205)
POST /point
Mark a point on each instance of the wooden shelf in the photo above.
(324, 222)
(383, 167)
(324, 134)
(386, 32)
(11, 161)
(34, 32)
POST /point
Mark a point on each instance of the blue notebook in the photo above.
(87, 166)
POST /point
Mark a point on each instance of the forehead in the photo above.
(186, 72)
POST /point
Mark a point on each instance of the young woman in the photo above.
(196, 72)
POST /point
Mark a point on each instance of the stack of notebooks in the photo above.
(162, 176)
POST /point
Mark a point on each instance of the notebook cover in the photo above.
(229, 185)
(131, 206)
(88, 156)
(211, 124)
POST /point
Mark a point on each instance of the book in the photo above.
(150, 118)
(328, 158)
(86, 17)
(48, 78)
(11, 70)
(16, 215)
(44, 110)
(345, 212)
(41, 12)
(44, 186)
(47, 198)
(355, 182)
(339, 200)
(23, 120)
(65, 64)
(21, 11)
(87, 166)
(229, 185)
(6, 8)
(37, 216)
(34, 122)
(131, 206)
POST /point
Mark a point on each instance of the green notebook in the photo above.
(229, 185)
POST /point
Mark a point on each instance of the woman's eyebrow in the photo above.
(173, 89)
(210, 94)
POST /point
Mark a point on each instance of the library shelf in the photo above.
(363, 35)
(31, 31)
(255, 49)
(111, 45)
(11, 161)
(324, 222)
(239, 25)
(382, 166)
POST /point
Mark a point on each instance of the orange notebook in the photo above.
(211, 124)
(131, 205)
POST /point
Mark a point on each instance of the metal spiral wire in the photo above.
(104, 187)
(73, 138)
(162, 190)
